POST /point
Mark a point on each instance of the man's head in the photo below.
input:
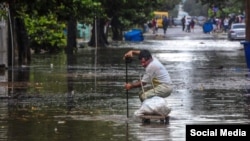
(145, 57)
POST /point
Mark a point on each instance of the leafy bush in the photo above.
(45, 32)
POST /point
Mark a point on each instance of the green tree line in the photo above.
(206, 8)
(39, 24)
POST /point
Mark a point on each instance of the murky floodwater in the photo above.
(60, 97)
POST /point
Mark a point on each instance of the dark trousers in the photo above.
(183, 27)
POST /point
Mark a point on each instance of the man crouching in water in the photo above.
(155, 74)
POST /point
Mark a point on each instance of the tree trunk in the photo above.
(98, 37)
(18, 41)
(116, 29)
(24, 55)
(71, 35)
(247, 18)
(11, 39)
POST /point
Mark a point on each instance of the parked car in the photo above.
(201, 20)
(177, 21)
(237, 31)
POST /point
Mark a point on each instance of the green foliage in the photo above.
(225, 7)
(80, 9)
(3, 14)
(3, 11)
(167, 5)
(135, 12)
(214, 14)
(45, 30)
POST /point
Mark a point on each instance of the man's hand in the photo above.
(129, 54)
(128, 86)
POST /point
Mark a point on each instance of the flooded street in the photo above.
(82, 98)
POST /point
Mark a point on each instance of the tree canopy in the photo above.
(128, 13)
(224, 7)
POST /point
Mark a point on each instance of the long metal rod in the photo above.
(127, 90)
(95, 51)
(12, 53)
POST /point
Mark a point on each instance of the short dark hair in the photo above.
(144, 54)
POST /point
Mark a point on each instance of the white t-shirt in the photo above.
(156, 73)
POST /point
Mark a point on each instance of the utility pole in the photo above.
(247, 19)
(246, 43)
